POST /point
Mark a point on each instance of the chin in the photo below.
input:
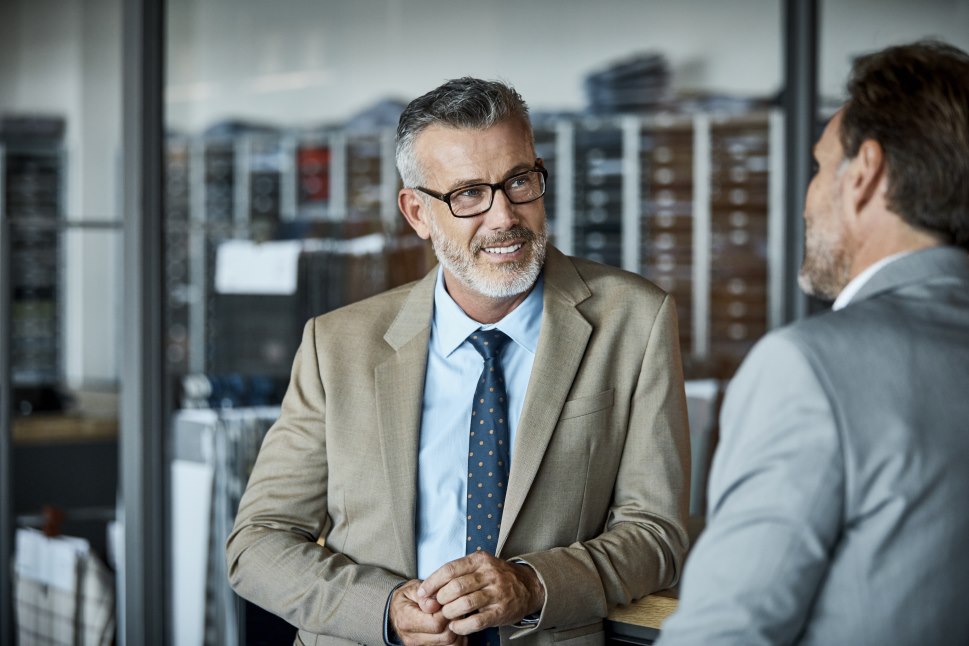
(496, 282)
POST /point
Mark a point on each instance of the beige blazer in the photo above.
(598, 490)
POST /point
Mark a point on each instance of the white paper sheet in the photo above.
(246, 267)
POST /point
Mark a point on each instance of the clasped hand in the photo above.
(462, 597)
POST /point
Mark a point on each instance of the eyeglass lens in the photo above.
(472, 200)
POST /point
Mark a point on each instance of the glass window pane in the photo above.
(659, 123)
(60, 128)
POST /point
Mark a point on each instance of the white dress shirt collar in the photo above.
(859, 281)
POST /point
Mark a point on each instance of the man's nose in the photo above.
(501, 215)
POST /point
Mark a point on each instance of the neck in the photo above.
(481, 308)
(891, 240)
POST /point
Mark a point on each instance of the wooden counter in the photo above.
(47, 428)
(649, 612)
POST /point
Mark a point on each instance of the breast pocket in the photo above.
(587, 405)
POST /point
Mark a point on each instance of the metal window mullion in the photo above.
(338, 176)
(565, 186)
(800, 110)
(701, 235)
(241, 181)
(631, 185)
(288, 179)
(197, 256)
(6, 442)
(388, 180)
(144, 414)
(60, 298)
(776, 222)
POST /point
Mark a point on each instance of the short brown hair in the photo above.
(914, 101)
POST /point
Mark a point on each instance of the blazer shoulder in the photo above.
(608, 280)
(375, 313)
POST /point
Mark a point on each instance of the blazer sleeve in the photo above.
(644, 540)
(776, 500)
(273, 556)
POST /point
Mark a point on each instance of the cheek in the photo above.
(459, 233)
(817, 201)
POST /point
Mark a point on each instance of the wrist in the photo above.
(536, 591)
(390, 633)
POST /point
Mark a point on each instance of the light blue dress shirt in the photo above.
(453, 368)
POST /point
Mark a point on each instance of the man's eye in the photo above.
(470, 192)
(815, 167)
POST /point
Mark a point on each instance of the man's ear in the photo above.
(867, 179)
(412, 206)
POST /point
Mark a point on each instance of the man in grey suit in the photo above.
(382, 507)
(838, 493)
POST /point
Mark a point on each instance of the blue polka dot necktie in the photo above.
(488, 455)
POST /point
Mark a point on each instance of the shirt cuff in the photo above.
(528, 621)
(390, 635)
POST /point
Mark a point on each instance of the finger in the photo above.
(444, 574)
(465, 605)
(462, 586)
(486, 617)
(408, 618)
(432, 629)
(430, 605)
(471, 624)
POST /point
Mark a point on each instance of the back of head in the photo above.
(460, 103)
(914, 101)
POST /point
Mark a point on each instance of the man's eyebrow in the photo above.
(515, 170)
(459, 183)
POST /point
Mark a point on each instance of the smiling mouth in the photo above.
(512, 248)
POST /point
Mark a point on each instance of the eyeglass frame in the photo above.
(446, 197)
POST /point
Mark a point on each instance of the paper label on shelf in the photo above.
(246, 267)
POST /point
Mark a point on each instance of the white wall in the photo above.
(853, 27)
(305, 62)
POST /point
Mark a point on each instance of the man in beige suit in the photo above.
(353, 526)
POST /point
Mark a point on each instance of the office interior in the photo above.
(150, 306)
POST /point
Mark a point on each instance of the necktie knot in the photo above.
(489, 343)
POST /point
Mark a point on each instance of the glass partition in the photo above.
(60, 125)
(659, 123)
(659, 134)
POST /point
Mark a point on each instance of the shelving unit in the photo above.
(31, 200)
(687, 200)
(333, 191)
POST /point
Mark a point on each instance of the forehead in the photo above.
(830, 141)
(470, 154)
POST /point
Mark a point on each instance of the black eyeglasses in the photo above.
(475, 199)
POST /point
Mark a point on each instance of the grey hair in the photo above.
(460, 103)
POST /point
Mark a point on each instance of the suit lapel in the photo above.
(399, 383)
(561, 346)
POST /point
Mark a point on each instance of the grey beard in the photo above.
(511, 281)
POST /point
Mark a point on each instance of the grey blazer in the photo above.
(839, 496)
(597, 494)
